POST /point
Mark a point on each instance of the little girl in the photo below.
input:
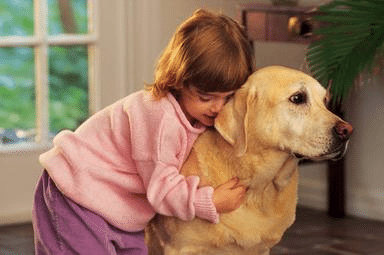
(105, 181)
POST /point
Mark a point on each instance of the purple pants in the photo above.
(64, 227)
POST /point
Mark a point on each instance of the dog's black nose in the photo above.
(343, 130)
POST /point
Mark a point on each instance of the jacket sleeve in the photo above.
(169, 192)
(173, 194)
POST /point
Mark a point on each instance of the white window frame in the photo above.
(41, 41)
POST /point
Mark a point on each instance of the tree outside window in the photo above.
(67, 69)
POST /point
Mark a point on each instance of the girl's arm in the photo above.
(173, 194)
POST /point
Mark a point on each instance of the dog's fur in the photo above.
(278, 114)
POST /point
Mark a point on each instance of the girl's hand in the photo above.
(229, 196)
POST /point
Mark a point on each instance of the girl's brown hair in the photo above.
(209, 51)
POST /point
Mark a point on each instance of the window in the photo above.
(122, 45)
(48, 61)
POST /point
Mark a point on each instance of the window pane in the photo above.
(67, 17)
(16, 17)
(17, 95)
(68, 81)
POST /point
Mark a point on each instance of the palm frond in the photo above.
(349, 43)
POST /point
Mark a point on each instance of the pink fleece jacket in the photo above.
(123, 163)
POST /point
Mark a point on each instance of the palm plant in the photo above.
(351, 43)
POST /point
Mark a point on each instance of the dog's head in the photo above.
(285, 109)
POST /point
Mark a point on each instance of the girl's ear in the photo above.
(232, 120)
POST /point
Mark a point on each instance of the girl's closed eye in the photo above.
(201, 95)
(229, 97)
(204, 98)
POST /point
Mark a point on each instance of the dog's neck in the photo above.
(258, 164)
(267, 165)
(273, 177)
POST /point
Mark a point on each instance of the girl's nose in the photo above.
(218, 105)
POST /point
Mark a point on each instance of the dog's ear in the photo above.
(232, 121)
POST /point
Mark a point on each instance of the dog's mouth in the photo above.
(335, 154)
(299, 156)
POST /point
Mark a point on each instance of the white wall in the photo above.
(365, 159)
(19, 172)
(131, 62)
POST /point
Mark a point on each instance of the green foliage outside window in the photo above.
(17, 94)
(68, 71)
(68, 84)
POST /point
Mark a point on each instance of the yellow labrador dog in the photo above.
(278, 115)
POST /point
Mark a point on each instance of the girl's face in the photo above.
(201, 108)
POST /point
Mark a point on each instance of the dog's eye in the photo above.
(299, 98)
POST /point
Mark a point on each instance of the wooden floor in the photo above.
(16, 240)
(313, 233)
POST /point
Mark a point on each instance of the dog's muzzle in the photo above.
(341, 133)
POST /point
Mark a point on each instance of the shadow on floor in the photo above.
(313, 233)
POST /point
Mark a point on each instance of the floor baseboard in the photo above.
(22, 216)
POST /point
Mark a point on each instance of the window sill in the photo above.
(29, 147)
